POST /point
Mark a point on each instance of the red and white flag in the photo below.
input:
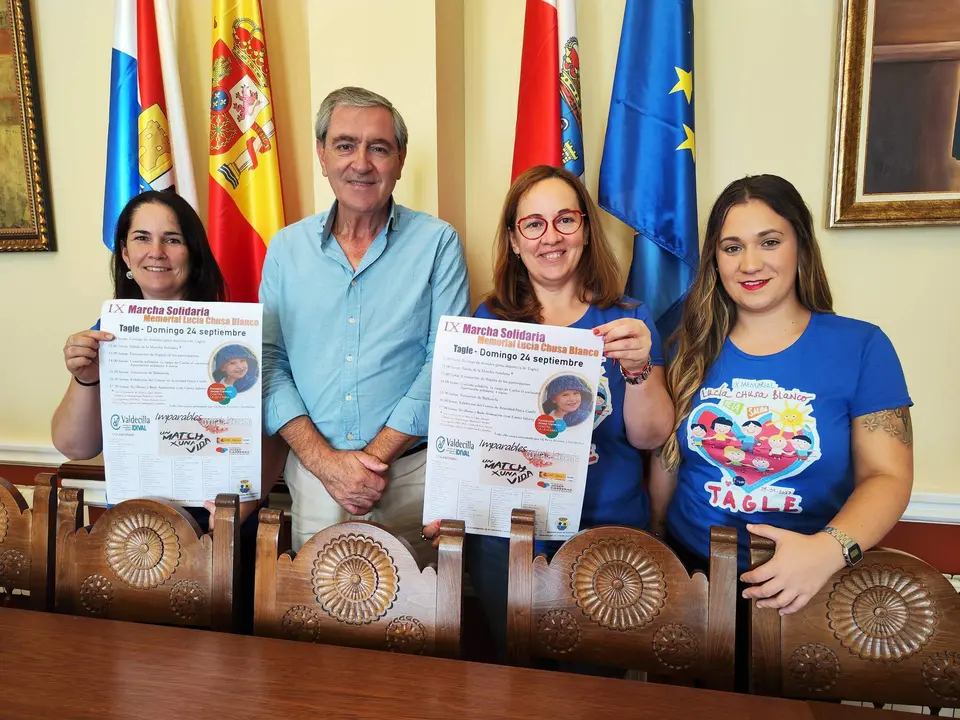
(549, 122)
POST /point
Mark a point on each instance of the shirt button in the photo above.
(349, 358)
(351, 320)
(349, 397)
(354, 283)
(349, 436)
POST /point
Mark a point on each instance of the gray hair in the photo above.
(357, 97)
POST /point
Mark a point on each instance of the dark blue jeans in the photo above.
(488, 560)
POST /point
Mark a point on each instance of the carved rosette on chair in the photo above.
(187, 599)
(406, 634)
(355, 579)
(142, 549)
(14, 567)
(675, 646)
(941, 673)
(881, 613)
(815, 667)
(559, 631)
(96, 594)
(618, 584)
(301, 623)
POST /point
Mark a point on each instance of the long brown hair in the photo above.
(709, 314)
(513, 297)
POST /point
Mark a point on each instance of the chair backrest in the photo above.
(885, 631)
(26, 544)
(357, 584)
(147, 561)
(620, 597)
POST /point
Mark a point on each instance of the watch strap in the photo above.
(851, 550)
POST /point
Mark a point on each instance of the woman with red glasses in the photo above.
(554, 266)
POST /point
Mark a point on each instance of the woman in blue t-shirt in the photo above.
(782, 407)
(160, 252)
(554, 266)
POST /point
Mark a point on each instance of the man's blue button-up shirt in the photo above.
(353, 349)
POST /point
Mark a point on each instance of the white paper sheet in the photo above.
(498, 439)
(180, 415)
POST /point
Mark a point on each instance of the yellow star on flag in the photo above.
(684, 82)
(688, 144)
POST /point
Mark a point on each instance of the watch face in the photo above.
(855, 554)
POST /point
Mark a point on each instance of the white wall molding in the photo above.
(30, 454)
(942, 508)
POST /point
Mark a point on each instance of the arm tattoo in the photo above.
(896, 422)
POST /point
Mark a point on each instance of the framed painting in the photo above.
(896, 146)
(25, 217)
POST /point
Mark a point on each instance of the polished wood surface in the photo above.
(147, 560)
(76, 668)
(620, 597)
(357, 584)
(26, 544)
(886, 631)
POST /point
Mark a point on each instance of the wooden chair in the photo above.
(26, 545)
(357, 584)
(885, 631)
(619, 597)
(147, 561)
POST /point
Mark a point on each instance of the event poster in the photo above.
(511, 418)
(180, 399)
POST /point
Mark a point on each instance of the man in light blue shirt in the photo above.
(351, 300)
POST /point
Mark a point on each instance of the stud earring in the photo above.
(129, 275)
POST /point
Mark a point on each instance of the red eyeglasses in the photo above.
(533, 227)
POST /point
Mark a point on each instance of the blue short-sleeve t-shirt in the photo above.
(768, 438)
(614, 494)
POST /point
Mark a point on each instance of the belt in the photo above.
(415, 449)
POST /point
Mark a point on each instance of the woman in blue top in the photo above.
(160, 252)
(554, 266)
(807, 412)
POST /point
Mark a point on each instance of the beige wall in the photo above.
(764, 83)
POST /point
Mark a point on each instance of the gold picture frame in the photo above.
(25, 217)
(898, 91)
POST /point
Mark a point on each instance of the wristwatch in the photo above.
(851, 551)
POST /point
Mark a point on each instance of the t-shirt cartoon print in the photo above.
(757, 435)
(768, 438)
(602, 409)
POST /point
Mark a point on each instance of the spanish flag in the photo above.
(246, 200)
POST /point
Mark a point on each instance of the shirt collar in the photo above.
(326, 232)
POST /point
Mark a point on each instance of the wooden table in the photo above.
(57, 666)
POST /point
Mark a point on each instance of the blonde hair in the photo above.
(709, 314)
(513, 297)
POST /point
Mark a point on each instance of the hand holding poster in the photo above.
(511, 417)
(180, 400)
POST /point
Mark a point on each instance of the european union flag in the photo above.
(647, 175)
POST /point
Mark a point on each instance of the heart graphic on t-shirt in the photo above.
(755, 453)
